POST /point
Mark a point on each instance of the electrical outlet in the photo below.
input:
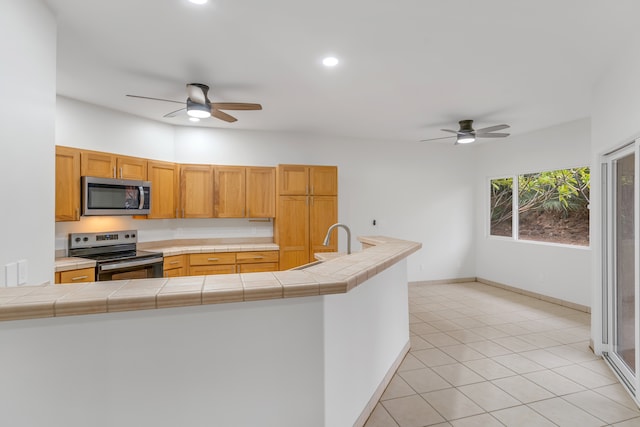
(22, 272)
(11, 274)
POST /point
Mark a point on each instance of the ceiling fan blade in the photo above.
(222, 116)
(492, 135)
(236, 106)
(198, 93)
(449, 130)
(155, 99)
(174, 113)
(491, 129)
(435, 139)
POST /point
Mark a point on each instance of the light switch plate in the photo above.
(11, 274)
(22, 272)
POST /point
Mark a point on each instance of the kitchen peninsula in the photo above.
(312, 347)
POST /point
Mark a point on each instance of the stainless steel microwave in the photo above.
(109, 196)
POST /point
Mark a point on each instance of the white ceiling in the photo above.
(407, 67)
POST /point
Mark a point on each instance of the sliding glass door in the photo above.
(622, 262)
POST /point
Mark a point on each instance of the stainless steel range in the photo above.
(116, 255)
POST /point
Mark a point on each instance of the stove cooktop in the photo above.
(122, 256)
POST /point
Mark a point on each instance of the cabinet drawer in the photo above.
(257, 257)
(78, 276)
(175, 272)
(173, 261)
(205, 270)
(212, 259)
(257, 268)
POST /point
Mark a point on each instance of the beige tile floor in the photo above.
(482, 356)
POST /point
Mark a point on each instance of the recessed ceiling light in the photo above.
(194, 119)
(198, 1)
(330, 61)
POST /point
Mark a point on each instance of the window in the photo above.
(551, 206)
(502, 207)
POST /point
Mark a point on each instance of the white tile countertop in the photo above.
(335, 276)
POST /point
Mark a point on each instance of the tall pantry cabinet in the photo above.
(307, 206)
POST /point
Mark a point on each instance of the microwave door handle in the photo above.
(141, 188)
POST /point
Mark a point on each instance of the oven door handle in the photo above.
(126, 264)
(141, 189)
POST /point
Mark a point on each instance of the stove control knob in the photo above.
(133, 236)
(126, 236)
(77, 239)
(85, 239)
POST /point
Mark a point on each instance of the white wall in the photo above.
(401, 185)
(554, 270)
(27, 122)
(615, 120)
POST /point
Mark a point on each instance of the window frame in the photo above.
(515, 223)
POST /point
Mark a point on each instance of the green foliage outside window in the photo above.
(553, 206)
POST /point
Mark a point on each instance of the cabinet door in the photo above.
(258, 268)
(323, 180)
(175, 272)
(293, 231)
(164, 189)
(229, 196)
(261, 192)
(196, 191)
(97, 164)
(293, 180)
(131, 168)
(67, 184)
(323, 213)
(206, 270)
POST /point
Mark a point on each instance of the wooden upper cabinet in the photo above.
(244, 192)
(323, 180)
(105, 165)
(230, 192)
(102, 165)
(293, 180)
(261, 192)
(131, 168)
(301, 180)
(164, 189)
(196, 191)
(67, 184)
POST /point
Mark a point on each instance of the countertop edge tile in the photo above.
(338, 274)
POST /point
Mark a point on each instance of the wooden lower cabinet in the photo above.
(212, 263)
(255, 262)
(174, 266)
(220, 263)
(76, 276)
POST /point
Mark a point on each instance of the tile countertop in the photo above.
(335, 276)
(71, 263)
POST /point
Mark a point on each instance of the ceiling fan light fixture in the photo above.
(465, 139)
(200, 111)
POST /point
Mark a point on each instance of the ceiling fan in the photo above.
(199, 106)
(466, 134)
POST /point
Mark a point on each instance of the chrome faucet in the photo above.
(328, 236)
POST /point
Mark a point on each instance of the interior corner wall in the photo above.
(27, 125)
(558, 271)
